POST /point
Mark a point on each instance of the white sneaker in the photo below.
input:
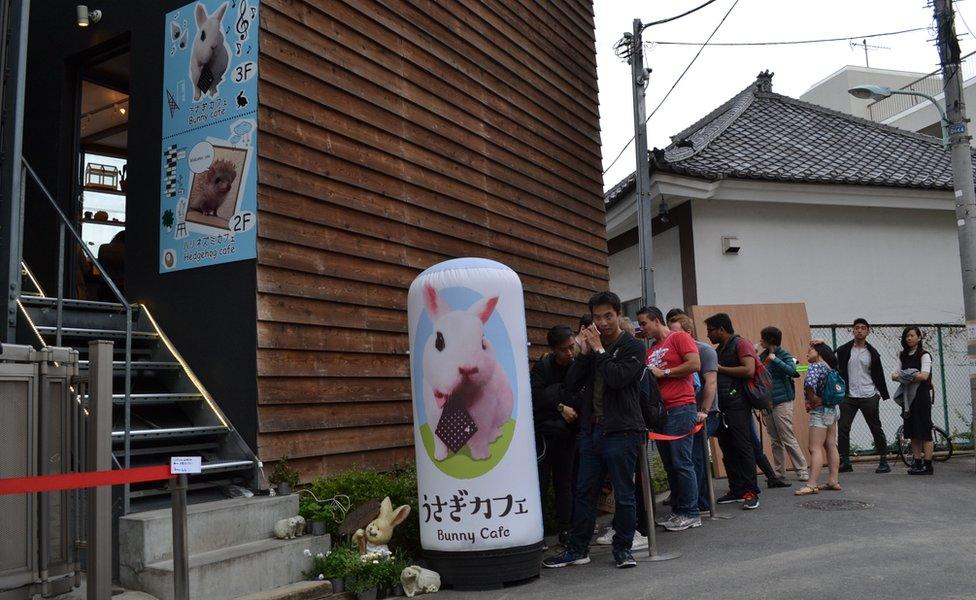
(640, 542)
(607, 538)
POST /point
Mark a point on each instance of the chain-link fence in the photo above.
(952, 410)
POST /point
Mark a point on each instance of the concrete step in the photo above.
(237, 570)
(303, 590)
(147, 537)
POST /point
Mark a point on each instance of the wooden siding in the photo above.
(395, 135)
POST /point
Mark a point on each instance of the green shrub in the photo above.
(400, 484)
(282, 473)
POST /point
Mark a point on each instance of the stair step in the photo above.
(147, 537)
(118, 366)
(77, 332)
(303, 590)
(174, 432)
(145, 399)
(238, 570)
(32, 301)
(181, 450)
(163, 490)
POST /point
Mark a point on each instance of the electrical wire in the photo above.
(676, 17)
(794, 42)
(675, 84)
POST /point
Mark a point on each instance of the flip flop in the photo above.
(806, 490)
(832, 487)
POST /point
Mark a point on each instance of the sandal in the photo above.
(833, 487)
(806, 491)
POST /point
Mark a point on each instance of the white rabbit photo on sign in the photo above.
(210, 55)
(467, 394)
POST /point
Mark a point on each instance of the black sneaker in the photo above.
(750, 501)
(778, 483)
(883, 467)
(625, 560)
(566, 558)
(728, 499)
(915, 466)
(846, 467)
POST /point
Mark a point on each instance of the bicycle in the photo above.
(941, 441)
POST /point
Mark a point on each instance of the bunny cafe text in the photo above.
(208, 181)
(463, 508)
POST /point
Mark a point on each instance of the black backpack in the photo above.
(651, 403)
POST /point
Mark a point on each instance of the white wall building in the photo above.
(849, 216)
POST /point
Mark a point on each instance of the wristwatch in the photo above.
(601, 351)
(560, 407)
(667, 372)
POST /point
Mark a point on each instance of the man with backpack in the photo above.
(673, 360)
(737, 365)
(607, 375)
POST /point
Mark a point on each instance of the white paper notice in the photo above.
(184, 464)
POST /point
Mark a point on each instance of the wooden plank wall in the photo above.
(395, 134)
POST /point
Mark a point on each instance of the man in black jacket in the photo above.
(607, 373)
(556, 423)
(860, 366)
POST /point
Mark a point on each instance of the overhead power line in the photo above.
(675, 84)
(792, 42)
(676, 17)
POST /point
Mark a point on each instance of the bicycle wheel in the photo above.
(942, 444)
(904, 446)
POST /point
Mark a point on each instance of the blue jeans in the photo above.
(599, 455)
(678, 457)
(700, 458)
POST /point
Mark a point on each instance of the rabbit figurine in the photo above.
(463, 380)
(209, 56)
(379, 532)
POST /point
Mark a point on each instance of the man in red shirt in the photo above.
(673, 360)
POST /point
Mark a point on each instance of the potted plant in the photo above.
(388, 574)
(336, 565)
(369, 575)
(283, 477)
(317, 515)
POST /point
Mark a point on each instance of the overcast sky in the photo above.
(721, 72)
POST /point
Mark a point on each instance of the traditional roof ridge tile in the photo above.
(759, 134)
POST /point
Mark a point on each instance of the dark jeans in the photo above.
(700, 459)
(557, 466)
(738, 455)
(678, 458)
(615, 455)
(869, 408)
(761, 461)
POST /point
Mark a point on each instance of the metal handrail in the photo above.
(66, 224)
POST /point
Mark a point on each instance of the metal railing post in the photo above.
(60, 285)
(128, 402)
(181, 561)
(100, 459)
(942, 377)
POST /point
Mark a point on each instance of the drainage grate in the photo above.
(836, 505)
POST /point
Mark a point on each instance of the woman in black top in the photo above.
(918, 417)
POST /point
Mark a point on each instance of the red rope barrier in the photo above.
(663, 437)
(88, 479)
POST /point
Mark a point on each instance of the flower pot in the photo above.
(318, 527)
(338, 585)
(284, 489)
(369, 594)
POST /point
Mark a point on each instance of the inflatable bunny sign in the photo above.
(462, 375)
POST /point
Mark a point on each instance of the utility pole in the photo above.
(645, 236)
(962, 176)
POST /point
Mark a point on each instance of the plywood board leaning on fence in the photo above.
(748, 320)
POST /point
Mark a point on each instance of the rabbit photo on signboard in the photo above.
(209, 56)
(467, 394)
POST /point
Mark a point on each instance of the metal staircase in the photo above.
(161, 409)
(170, 412)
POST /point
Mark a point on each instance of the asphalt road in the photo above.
(918, 540)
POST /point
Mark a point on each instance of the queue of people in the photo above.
(590, 394)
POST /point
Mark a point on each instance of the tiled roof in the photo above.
(758, 134)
